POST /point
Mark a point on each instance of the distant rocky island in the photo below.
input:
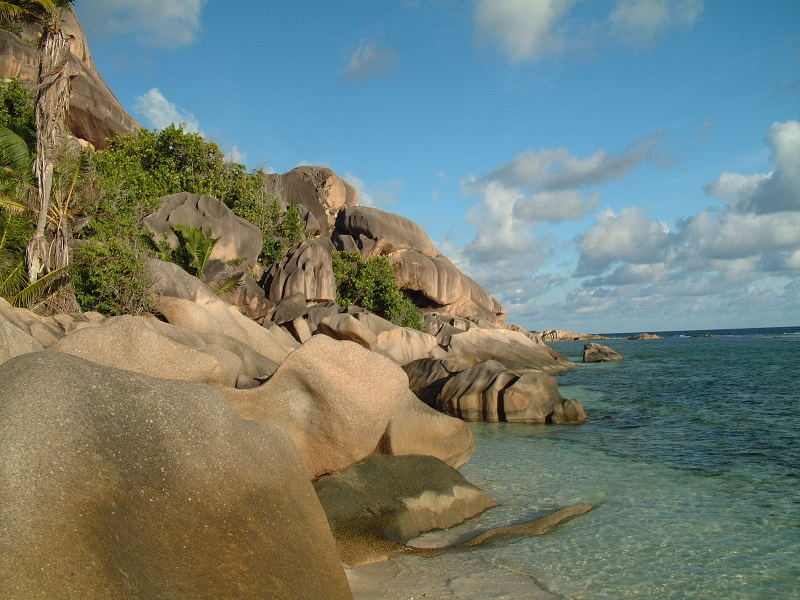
(247, 430)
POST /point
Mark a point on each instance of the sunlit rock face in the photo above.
(94, 112)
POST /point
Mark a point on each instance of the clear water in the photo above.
(692, 454)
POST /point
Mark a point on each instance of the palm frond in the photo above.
(198, 246)
(13, 205)
(229, 284)
(38, 290)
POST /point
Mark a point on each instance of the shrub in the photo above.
(371, 285)
(112, 277)
(16, 111)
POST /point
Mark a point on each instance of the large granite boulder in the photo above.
(46, 330)
(391, 232)
(416, 428)
(152, 347)
(94, 113)
(306, 269)
(189, 303)
(488, 391)
(334, 398)
(376, 506)
(14, 341)
(238, 238)
(594, 352)
(321, 191)
(118, 486)
(511, 348)
(427, 376)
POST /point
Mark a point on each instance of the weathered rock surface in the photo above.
(488, 391)
(189, 303)
(306, 270)
(94, 112)
(14, 341)
(645, 336)
(344, 326)
(427, 376)
(334, 398)
(158, 349)
(594, 352)
(249, 296)
(391, 232)
(117, 486)
(514, 350)
(416, 428)
(45, 330)
(238, 238)
(564, 335)
(377, 505)
(318, 189)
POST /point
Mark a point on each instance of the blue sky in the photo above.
(617, 165)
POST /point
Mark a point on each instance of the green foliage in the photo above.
(112, 277)
(191, 253)
(16, 111)
(371, 285)
(15, 231)
(280, 229)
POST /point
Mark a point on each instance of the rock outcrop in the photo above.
(94, 112)
(159, 349)
(416, 428)
(321, 191)
(489, 391)
(334, 398)
(117, 485)
(306, 269)
(594, 352)
(564, 335)
(238, 238)
(645, 336)
(376, 506)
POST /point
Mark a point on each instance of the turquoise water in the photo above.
(691, 454)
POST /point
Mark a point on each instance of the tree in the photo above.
(52, 100)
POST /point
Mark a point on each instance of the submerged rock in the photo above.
(117, 485)
(594, 352)
(376, 506)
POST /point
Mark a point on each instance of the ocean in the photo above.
(692, 456)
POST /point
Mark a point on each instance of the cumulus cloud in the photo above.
(160, 112)
(527, 30)
(370, 59)
(767, 192)
(160, 22)
(555, 206)
(628, 236)
(523, 28)
(235, 155)
(558, 168)
(640, 22)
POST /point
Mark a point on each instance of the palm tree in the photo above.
(52, 100)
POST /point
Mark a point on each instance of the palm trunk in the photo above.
(52, 101)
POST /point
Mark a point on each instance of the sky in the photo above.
(598, 165)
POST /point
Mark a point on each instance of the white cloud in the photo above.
(524, 28)
(160, 112)
(732, 235)
(370, 59)
(527, 30)
(235, 155)
(625, 237)
(767, 192)
(165, 23)
(558, 168)
(640, 22)
(555, 206)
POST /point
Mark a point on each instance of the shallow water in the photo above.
(691, 454)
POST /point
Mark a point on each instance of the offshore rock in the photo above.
(594, 352)
(117, 485)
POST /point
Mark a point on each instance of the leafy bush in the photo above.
(112, 277)
(370, 284)
(16, 111)
(192, 252)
